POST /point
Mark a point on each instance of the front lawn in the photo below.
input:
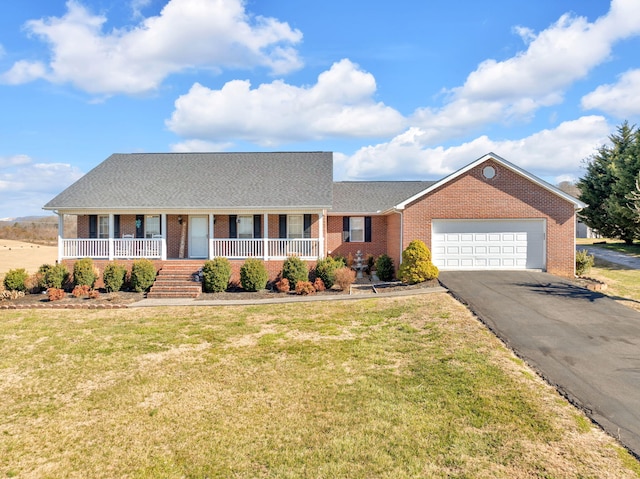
(378, 388)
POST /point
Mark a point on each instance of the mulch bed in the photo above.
(122, 299)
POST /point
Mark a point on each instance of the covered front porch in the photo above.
(162, 236)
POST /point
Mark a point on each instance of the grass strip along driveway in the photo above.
(389, 388)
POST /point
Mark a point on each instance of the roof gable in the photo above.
(203, 181)
(492, 156)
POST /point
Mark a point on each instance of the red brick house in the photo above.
(490, 214)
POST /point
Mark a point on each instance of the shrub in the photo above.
(216, 274)
(15, 280)
(318, 284)
(384, 267)
(94, 294)
(33, 282)
(54, 276)
(294, 269)
(344, 277)
(84, 273)
(113, 276)
(584, 262)
(326, 269)
(304, 288)
(8, 295)
(55, 294)
(143, 274)
(253, 275)
(283, 285)
(80, 291)
(416, 264)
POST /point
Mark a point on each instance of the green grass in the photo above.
(387, 388)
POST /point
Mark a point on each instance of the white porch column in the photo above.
(112, 225)
(265, 237)
(164, 227)
(212, 220)
(60, 236)
(321, 234)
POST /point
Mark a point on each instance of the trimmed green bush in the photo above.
(84, 273)
(416, 264)
(54, 276)
(584, 262)
(216, 274)
(143, 274)
(384, 267)
(253, 275)
(15, 278)
(295, 270)
(326, 270)
(113, 276)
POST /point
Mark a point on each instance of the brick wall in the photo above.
(507, 195)
(377, 246)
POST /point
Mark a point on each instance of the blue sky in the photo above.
(397, 90)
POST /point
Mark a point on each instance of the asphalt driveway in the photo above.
(584, 343)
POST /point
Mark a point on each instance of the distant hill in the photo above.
(37, 229)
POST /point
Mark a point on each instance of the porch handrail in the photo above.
(254, 248)
(107, 248)
(236, 248)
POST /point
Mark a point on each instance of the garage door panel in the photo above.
(488, 244)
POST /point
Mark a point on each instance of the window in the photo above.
(151, 226)
(245, 226)
(295, 226)
(103, 226)
(356, 229)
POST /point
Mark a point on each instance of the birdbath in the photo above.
(358, 266)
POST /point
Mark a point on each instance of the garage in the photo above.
(489, 244)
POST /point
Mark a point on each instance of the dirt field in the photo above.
(18, 254)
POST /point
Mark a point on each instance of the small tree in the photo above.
(54, 276)
(294, 269)
(584, 262)
(15, 280)
(326, 270)
(253, 275)
(216, 274)
(83, 273)
(384, 267)
(113, 276)
(143, 274)
(416, 264)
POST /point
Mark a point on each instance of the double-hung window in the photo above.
(103, 226)
(295, 226)
(245, 226)
(356, 229)
(152, 226)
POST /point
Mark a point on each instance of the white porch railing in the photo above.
(121, 248)
(254, 248)
(132, 248)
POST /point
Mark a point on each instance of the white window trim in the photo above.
(151, 234)
(249, 221)
(103, 234)
(289, 222)
(352, 229)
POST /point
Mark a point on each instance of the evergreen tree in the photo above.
(608, 184)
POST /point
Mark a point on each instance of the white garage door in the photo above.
(488, 244)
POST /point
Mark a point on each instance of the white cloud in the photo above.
(137, 6)
(340, 104)
(621, 99)
(197, 146)
(555, 152)
(513, 89)
(26, 186)
(187, 34)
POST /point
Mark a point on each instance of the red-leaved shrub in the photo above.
(344, 278)
(304, 288)
(318, 284)
(81, 291)
(283, 285)
(55, 294)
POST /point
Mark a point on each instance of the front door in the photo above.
(198, 237)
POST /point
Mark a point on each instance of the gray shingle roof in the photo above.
(203, 180)
(373, 196)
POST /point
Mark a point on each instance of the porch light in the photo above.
(180, 219)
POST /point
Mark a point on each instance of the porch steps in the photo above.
(175, 280)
